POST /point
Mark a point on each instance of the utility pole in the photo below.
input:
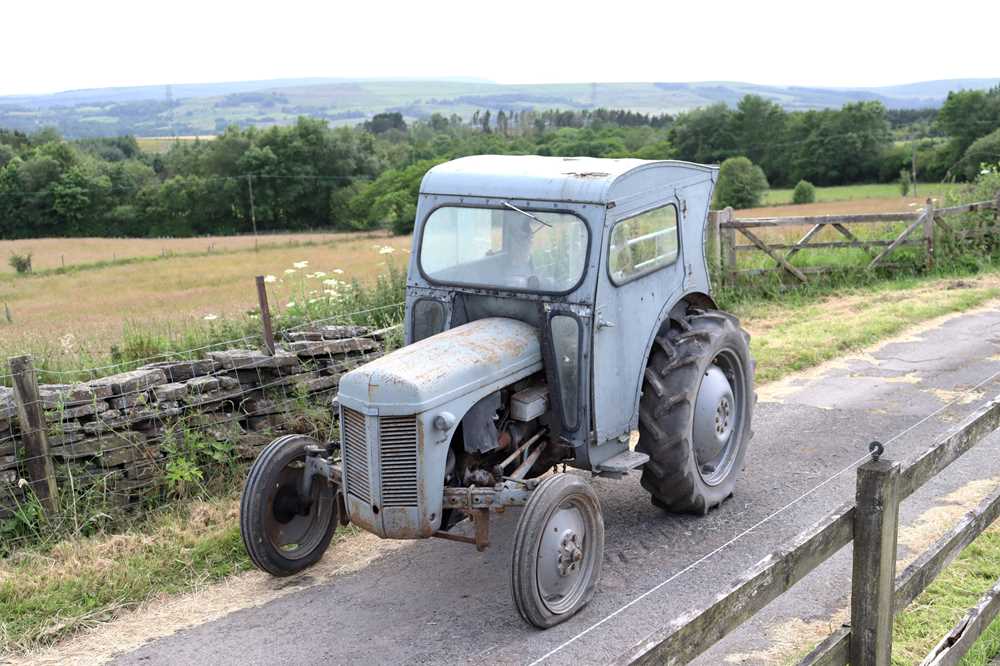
(253, 212)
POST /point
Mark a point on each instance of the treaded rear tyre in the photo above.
(279, 540)
(682, 354)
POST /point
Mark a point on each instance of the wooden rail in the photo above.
(871, 522)
(725, 226)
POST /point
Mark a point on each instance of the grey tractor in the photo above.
(558, 315)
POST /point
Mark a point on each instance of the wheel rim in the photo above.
(565, 558)
(289, 530)
(718, 417)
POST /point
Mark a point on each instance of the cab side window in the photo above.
(643, 244)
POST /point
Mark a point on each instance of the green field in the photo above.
(780, 197)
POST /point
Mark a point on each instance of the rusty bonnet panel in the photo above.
(446, 366)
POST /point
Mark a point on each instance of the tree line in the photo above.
(311, 176)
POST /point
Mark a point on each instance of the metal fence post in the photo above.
(31, 417)
(265, 315)
(875, 525)
(929, 233)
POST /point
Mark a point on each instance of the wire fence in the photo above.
(138, 446)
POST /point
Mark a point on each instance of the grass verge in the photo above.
(47, 594)
(931, 615)
(808, 329)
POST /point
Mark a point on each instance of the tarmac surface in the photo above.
(436, 602)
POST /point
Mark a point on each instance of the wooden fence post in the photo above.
(873, 574)
(265, 315)
(730, 236)
(713, 220)
(990, 241)
(929, 233)
(34, 438)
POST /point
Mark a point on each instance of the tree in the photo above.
(967, 115)
(741, 184)
(704, 135)
(383, 122)
(758, 130)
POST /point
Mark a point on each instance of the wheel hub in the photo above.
(713, 417)
(561, 555)
(570, 553)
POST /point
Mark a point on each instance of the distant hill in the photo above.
(207, 108)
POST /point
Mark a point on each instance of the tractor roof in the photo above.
(569, 179)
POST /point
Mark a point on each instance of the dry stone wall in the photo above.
(117, 433)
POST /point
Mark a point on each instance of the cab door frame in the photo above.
(626, 319)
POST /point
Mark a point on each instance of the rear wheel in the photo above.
(558, 550)
(282, 534)
(696, 410)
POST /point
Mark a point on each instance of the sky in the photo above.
(51, 46)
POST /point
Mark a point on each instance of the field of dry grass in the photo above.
(85, 311)
(53, 253)
(853, 207)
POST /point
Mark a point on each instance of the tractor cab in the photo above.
(591, 252)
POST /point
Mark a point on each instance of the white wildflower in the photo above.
(319, 274)
(210, 317)
(332, 282)
(22, 483)
(386, 249)
(300, 264)
(338, 271)
(270, 278)
(289, 271)
(313, 300)
(291, 304)
(68, 343)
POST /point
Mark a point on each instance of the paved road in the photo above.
(440, 602)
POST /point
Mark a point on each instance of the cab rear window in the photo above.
(643, 244)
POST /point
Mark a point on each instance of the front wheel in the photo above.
(558, 550)
(282, 534)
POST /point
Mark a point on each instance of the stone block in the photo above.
(181, 371)
(129, 382)
(171, 391)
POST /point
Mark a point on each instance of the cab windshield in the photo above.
(505, 248)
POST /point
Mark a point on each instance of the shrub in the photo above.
(804, 193)
(20, 262)
(984, 150)
(905, 181)
(741, 184)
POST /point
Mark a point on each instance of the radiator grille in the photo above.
(355, 454)
(398, 444)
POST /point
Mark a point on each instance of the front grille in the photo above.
(398, 444)
(355, 454)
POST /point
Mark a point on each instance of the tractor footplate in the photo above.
(622, 463)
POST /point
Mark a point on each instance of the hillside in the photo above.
(187, 109)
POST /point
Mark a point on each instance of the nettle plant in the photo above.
(986, 187)
(191, 452)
